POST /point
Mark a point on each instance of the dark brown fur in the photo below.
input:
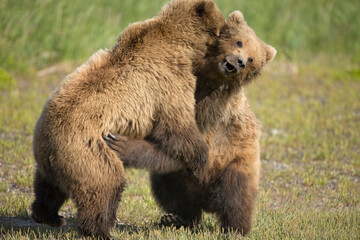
(143, 87)
(229, 129)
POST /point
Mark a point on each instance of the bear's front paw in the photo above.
(118, 143)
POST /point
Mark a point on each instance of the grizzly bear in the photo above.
(143, 87)
(229, 129)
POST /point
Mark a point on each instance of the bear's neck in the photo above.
(212, 100)
(214, 86)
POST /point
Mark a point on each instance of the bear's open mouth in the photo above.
(229, 67)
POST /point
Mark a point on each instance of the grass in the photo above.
(307, 101)
(37, 33)
(310, 166)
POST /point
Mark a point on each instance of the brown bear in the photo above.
(144, 86)
(229, 129)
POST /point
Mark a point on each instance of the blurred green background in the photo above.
(37, 33)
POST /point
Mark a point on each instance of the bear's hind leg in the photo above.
(48, 201)
(97, 210)
(180, 195)
(233, 196)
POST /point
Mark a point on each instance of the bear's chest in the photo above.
(217, 140)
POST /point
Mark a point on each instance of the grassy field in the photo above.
(307, 100)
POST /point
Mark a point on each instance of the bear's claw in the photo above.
(170, 219)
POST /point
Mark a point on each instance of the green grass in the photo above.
(307, 100)
(310, 162)
(38, 33)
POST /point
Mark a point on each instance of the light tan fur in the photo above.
(229, 129)
(143, 87)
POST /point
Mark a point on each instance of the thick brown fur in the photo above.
(143, 87)
(229, 129)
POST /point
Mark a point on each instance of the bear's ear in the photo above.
(210, 15)
(203, 7)
(236, 17)
(270, 53)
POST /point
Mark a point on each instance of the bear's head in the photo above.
(193, 15)
(240, 54)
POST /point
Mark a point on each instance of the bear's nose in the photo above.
(241, 63)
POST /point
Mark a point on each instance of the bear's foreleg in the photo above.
(138, 153)
(169, 148)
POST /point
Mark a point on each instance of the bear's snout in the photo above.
(240, 62)
(234, 63)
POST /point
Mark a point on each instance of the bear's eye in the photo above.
(239, 44)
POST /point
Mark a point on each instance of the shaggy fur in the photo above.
(143, 87)
(229, 129)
